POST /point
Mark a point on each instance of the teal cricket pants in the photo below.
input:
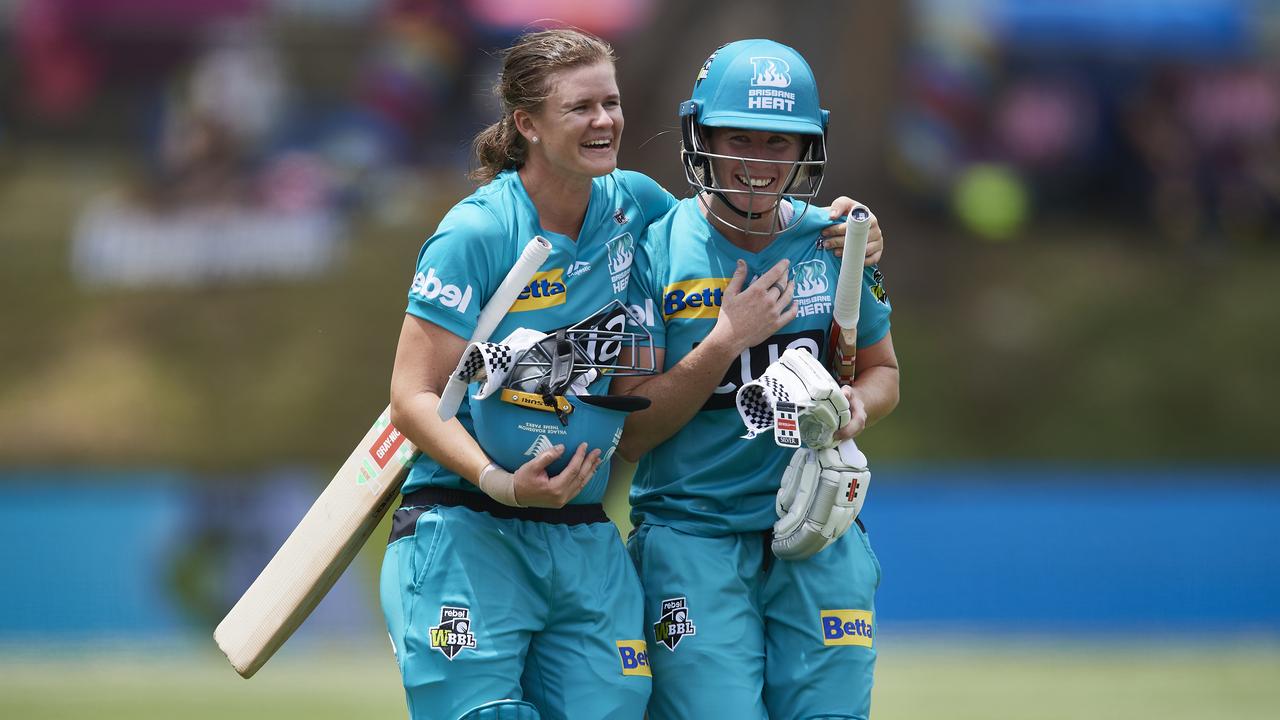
(735, 633)
(482, 609)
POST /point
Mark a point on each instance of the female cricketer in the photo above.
(729, 280)
(506, 591)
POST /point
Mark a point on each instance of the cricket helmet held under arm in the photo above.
(550, 395)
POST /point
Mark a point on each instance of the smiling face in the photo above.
(579, 125)
(758, 168)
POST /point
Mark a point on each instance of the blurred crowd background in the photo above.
(210, 211)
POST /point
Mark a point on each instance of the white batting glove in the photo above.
(798, 378)
(820, 421)
(826, 409)
(822, 493)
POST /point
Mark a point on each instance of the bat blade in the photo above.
(332, 532)
(318, 550)
(848, 299)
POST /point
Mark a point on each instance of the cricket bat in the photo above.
(848, 300)
(332, 532)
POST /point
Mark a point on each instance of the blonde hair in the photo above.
(525, 82)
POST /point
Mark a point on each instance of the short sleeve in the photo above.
(874, 308)
(458, 268)
(653, 200)
(644, 291)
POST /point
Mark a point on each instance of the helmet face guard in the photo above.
(611, 341)
(754, 85)
(803, 179)
(545, 399)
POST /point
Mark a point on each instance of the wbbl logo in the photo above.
(453, 634)
(674, 624)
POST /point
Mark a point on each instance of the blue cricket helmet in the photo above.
(513, 427)
(757, 85)
(544, 399)
(754, 85)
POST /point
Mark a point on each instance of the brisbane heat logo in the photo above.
(453, 634)
(622, 250)
(770, 72)
(813, 295)
(769, 75)
(810, 277)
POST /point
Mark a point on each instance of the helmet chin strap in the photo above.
(557, 381)
(743, 213)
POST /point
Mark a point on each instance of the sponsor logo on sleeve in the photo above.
(644, 313)
(453, 634)
(634, 655)
(431, 288)
(546, 289)
(877, 286)
(847, 627)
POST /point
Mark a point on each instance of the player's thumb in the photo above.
(736, 282)
(540, 462)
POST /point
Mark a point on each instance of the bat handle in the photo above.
(451, 398)
(843, 351)
(844, 365)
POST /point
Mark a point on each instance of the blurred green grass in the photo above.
(1074, 342)
(973, 678)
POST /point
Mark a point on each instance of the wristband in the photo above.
(499, 485)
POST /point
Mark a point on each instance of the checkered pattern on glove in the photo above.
(491, 363)
(796, 377)
(756, 401)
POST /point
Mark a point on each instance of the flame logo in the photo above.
(811, 278)
(770, 72)
(621, 252)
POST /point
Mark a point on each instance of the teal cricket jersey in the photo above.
(706, 479)
(461, 265)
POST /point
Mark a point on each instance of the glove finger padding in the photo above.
(822, 492)
(802, 471)
(820, 421)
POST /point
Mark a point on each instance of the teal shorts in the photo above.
(482, 609)
(734, 632)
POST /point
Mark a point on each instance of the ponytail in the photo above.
(496, 148)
